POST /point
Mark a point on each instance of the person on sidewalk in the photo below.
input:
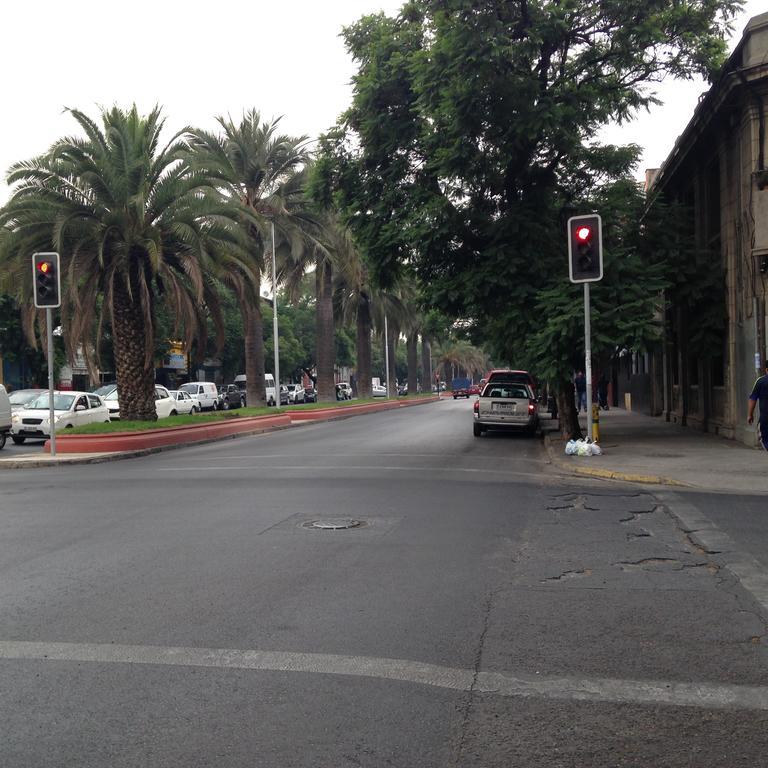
(580, 382)
(602, 391)
(760, 394)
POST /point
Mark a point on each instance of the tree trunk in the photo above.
(325, 341)
(426, 364)
(364, 389)
(567, 413)
(133, 368)
(392, 347)
(253, 331)
(412, 346)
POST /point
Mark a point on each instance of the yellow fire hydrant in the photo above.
(595, 423)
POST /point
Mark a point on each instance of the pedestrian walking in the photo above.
(580, 382)
(760, 395)
(602, 391)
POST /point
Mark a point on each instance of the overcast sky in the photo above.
(199, 59)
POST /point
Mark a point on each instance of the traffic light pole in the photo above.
(51, 423)
(588, 358)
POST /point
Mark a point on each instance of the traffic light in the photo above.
(585, 248)
(46, 280)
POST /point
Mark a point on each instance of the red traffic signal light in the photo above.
(585, 248)
(46, 280)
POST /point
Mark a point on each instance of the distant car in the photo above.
(22, 397)
(230, 397)
(284, 395)
(295, 393)
(503, 405)
(343, 391)
(184, 402)
(474, 389)
(70, 409)
(204, 392)
(310, 395)
(379, 391)
(165, 405)
(402, 390)
(5, 416)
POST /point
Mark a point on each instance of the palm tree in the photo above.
(134, 227)
(261, 171)
(330, 245)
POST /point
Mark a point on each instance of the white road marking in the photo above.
(654, 692)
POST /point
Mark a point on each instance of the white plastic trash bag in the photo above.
(570, 448)
(584, 449)
(596, 450)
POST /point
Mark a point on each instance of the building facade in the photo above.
(715, 338)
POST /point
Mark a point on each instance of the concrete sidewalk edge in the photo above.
(607, 474)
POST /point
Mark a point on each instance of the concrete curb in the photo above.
(331, 414)
(607, 474)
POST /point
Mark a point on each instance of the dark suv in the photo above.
(230, 397)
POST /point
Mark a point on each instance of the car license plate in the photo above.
(506, 407)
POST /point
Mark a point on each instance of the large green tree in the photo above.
(135, 228)
(471, 138)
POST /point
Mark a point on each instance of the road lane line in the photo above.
(325, 467)
(652, 692)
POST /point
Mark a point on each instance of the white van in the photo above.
(269, 386)
(204, 392)
(5, 416)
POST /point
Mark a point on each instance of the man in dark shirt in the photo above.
(760, 394)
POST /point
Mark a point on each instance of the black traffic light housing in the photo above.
(46, 280)
(585, 248)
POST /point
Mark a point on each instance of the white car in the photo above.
(70, 409)
(204, 393)
(165, 405)
(184, 402)
(379, 391)
(295, 393)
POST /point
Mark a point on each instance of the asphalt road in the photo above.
(176, 610)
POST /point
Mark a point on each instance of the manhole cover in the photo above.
(333, 524)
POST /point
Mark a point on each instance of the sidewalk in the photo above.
(648, 449)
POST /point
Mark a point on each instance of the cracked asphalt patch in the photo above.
(609, 584)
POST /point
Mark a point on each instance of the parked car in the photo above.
(503, 405)
(22, 397)
(184, 402)
(402, 390)
(284, 395)
(506, 376)
(204, 392)
(165, 405)
(5, 416)
(269, 387)
(343, 391)
(474, 389)
(379, 391)
(295, 393)
(310, 395)
(70, 409)
(230, 397)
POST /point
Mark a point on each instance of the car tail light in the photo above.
(531, 408)
(476, 406)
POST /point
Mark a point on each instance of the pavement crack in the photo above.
(641, 534)
(467, 708)
(569, 575)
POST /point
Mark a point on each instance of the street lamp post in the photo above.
(274, 321)
(386, 354)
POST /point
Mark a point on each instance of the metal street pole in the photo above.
(386, 354)
(274, 321)
(588, 358)
(51, 424)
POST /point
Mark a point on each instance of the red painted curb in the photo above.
(156, 438)
(318, 414)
